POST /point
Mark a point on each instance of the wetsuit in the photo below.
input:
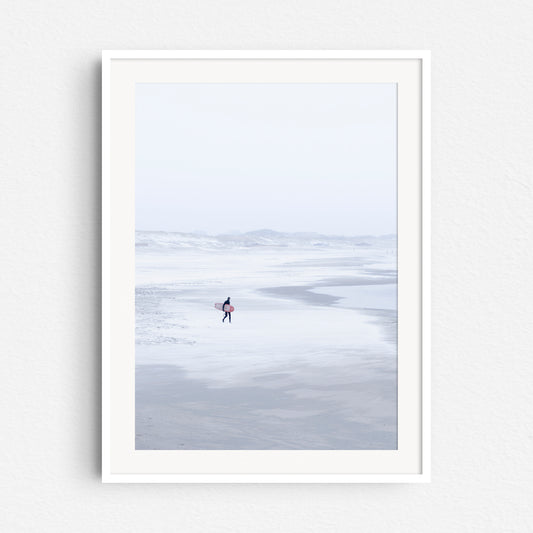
(227, 312)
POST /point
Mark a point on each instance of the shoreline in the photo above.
(310, 293)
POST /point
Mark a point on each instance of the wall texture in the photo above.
(482, 253)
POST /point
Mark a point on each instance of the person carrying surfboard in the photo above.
(227, 312)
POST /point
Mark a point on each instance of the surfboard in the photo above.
(227, 308)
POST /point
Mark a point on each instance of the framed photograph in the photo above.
(265, 266)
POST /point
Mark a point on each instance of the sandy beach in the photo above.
(308, 362)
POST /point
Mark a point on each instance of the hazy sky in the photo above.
(243, 156)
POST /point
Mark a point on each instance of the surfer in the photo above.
(227, 312)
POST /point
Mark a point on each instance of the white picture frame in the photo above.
(121, 463)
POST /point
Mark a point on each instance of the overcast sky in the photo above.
(232, 157)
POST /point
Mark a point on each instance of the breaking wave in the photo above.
(165, 241)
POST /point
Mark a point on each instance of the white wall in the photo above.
(482, 227)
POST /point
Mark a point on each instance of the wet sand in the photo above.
(288, 409)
